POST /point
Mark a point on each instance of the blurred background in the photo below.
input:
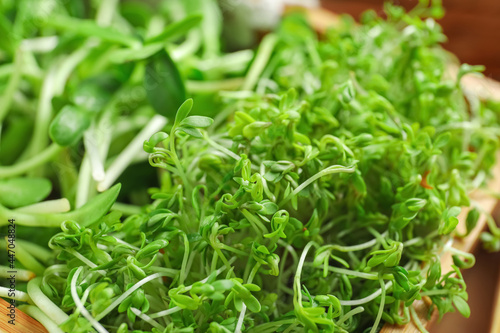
(472, 27)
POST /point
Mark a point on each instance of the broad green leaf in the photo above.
(197, 121)
(164, 86)
(68, 126)
(19, 192)
(191, 131)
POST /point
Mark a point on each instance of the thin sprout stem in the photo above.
(30, 164)
(367, 298)
(381, 306)
(349, 314)
(178, 165)
(85, 260)
(221, 148)
(80, 307)
(147, 319)
(416, 320)
(106, 12)
(241, 317)
(165, 312)
(185, 258)
(328, 171)
(127, 293)
(18, 295)
(358, 247)
(271, 325)
(262, 58)
(14, 80)
(133, 149)
(255, 222)
(296, 279)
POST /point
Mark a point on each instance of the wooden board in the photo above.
(23, 322)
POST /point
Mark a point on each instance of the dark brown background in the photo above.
(472, 27)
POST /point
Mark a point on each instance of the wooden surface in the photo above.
(495, 325)
(23, 323)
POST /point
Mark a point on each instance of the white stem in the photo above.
(367, 298)
(147, 319)
(84, 181)
(21, 274)
(296, 279)
(127, 294)
(40, 44)
(37, 314)
(16, 294)
(92, 149)
(105, 12)
(85, 260)
(381, 306)
(47, 207)
(241, 317)
(328, 171)
(79, 305)
(133, 149)
(166, 312)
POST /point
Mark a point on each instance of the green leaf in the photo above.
(197, 121)
(449, 220)
(472, 219)
(191, 131)
(183, 111)
(222, 285)
(164, 86)
(149, 145)
(68, 126)
(19, 192)
(461, 306)
(415, 204)
(442, 140)
(252, 303)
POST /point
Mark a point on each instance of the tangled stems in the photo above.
(44, 303)
(79, 305)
